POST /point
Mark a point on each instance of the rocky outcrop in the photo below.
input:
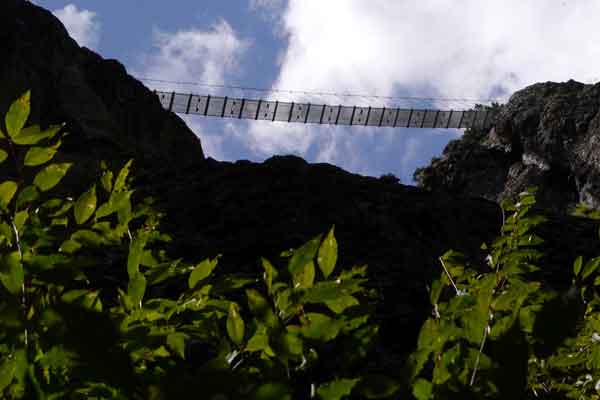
(245, 210)
(547, 135)
(109, 114)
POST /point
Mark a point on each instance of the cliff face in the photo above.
(245, 210)
(109, 114)
(547, 135)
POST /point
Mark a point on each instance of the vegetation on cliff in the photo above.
(91, 305)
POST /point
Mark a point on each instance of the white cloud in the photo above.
(442, 48)
(195, 55)
(204, 56)
(82, 25)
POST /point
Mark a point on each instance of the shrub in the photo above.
(91, 306)
(498, 332)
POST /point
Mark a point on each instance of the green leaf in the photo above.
(33, 134)
(7, 191)
(260, 342)
(201, 272)
(3, 155)
(136, 288)
(291, 343)
(270, 274)
(261, 309)
(305, 277)
(84, 297)
(272, 391)
(235, 324)
(20, 219)
(17, 115)
(591, 266)
(39, 155)
(336, 390)
(69, 246)
(115, 203)
(26, 196)
(11, 272)
(7, 232)
(106, 180)
(50, 176)
(328, 253)
(303, 256)
(341, 303)
(85, 206)
(136, 250)
(320, 327)
(8, 368)
(88, 237)
(176, 342)
(122, 177)
(577, 265)
(422, 389)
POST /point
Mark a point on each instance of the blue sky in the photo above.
(441, 48)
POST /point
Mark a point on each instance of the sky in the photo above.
(428, 48)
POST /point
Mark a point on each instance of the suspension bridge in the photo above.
(267, 109)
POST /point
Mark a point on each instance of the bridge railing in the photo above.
(267, 110)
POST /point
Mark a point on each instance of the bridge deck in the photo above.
(266, 110)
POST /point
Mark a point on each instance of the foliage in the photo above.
(91, 306)
(499, 332)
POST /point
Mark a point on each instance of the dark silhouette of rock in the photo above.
(547, 135)
(245, 210)
(110, 115)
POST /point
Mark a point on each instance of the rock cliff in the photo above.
(109, 114)
(547, 135)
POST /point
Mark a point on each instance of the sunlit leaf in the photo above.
(122, 177)
(50, 176)
(7, 232)
(17, 115)
(337, 389)
(39, 155)
(176, 342)
(320, 327)
(136, 288)
(136, 249)
(33, 134)
(304, 277)
(577, 265)
(260, 342)
(270, 274)
(341, 303)
(260, 308)
(328, 253)
(107, 180)
(235, 324)
(20, 219)
(3, 155)
(7, 191)
(85, 206)
(590, 267)
(303, 256)
(11, 272)
(8, 368)
(422, 389)
(26, 196)
(201, 271)
(69, 246)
